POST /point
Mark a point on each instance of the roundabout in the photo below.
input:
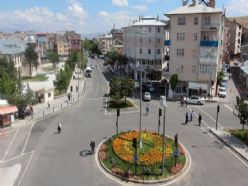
(121, 158)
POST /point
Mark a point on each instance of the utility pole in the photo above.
(217, 116)
(118, 114)
(159, 115)
(163, 103)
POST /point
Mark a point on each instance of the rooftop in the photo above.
(149, 21)
(194, 9)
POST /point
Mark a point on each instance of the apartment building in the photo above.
(74, 41)
(235, 38)
(42, 45)
(196, 39)
(62, 46)
(144, 47)
(226, 45)
(105, 42)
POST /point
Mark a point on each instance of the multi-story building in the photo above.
(105, 43)
(196, 39)
(51, 42)
(226, 45)
(144, 47)
(235, 38)
(42, 46)
(62, 46)
(74, 41)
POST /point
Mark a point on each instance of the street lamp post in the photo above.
(163, 103)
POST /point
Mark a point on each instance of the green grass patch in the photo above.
(241, 134)
(47, 69)
(57, 92)
(114, 104)
(39, 77)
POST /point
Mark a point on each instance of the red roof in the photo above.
(8, 110)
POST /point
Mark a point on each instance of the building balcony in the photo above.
(205, 43)
(208, 60)
(167, 42)
(210, 27)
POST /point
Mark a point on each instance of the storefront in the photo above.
(198, 89)
(7, 115)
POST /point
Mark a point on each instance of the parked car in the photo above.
(222, 92)
(147, 96)
(195, 100)
(92, 66)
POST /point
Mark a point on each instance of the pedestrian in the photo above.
(69, 96)
(48, 103)
(185, 101)
(92, 146)
(191, 115)
(147, 109)
(186, 118)
(199, 119)
(59, 127)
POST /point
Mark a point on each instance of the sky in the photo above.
(90, 16)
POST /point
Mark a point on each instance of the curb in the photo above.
(227, 144)
(165, 181)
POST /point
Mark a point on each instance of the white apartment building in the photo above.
(196, 36)
(105, 43)
(144, 47)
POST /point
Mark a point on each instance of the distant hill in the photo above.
(241, 20)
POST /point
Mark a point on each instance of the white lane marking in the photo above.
(227, 148)
(25, 170)
(229, 108)
(27, 138)
(106, 106)
(210, 117)
(10, 144)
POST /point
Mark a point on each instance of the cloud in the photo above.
(234, 5)
(141, 8)
(119, 19)
(121, 3)
(43, 19)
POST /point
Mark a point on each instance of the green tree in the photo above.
(127, 86)
(8, 86)
(61, 80)
(31, 57)
(220, 77)
(242, 109)
(54, 58)
(8, 67)
(174, 81)
(115, 89)
(91, 46)
(112, 57)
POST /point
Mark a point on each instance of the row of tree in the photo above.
(242, 111)
(91, 46)
(63, 77)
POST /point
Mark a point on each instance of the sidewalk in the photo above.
(235, 144)
(60, 102)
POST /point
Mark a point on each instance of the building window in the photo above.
(207, 20)
(180, 52)
(195, 36)
(196, 21)
(181, 21)
(141, 51)
(149, 40)
(158, 51)
(158, 30)
(180, 36)
(150, 29)
(194, 53)
(193, 69)
(149, 51)
(206, 69)
(49, 94)
(158, 40)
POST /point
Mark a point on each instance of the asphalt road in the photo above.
(58, 161)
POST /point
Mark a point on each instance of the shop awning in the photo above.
(197, 86)
(8, 110)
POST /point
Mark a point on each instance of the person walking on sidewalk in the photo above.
(92, 145)
(199, 119)
(59, 127)
(186, 118)
(191, 115)
(147, 109)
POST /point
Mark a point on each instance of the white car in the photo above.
(92, 66)
(195, 100)
(222, 92)
(147, 96)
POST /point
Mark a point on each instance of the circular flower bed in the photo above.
(117, 155)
